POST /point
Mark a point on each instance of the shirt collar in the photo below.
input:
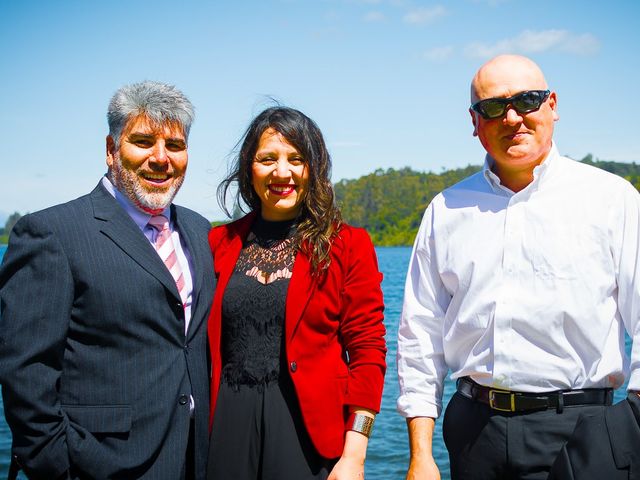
(140, 217)
(539, 172)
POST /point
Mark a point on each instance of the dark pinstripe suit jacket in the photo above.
(94, 364)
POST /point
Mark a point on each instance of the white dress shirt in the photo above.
(527, 291)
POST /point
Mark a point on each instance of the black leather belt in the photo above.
(508, 401)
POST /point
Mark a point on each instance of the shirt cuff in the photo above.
(415, 405)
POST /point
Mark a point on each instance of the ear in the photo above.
(111, 150)
(553, 104)
(474, 121)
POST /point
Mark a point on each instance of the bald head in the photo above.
(506, 75)
(517, 140)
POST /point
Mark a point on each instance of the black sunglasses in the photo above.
(524, 102)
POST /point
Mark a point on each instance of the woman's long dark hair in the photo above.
(319, 217)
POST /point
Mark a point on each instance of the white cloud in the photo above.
(585, 44)
(530, 41)
(438, 54)
(332, 16)
(374, 17)
(425, 15)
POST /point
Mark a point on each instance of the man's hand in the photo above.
(423, 469)
(422, 466)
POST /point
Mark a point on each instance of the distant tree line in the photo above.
(630, 171)
(8, 226)
(390, 203)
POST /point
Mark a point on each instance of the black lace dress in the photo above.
(258, 432)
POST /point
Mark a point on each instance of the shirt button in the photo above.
(183, 400)
(293, 366)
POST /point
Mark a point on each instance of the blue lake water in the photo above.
(388, 453)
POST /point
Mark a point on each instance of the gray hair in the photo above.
(160, 103)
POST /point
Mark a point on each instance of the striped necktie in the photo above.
(165, 248)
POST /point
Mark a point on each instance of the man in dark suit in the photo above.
(603, 446)
(103, 357)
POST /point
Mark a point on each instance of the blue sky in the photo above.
(386, 80)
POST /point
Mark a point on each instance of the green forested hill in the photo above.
(390, 203)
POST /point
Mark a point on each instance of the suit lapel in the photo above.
(198, 251)
(301, 287)
(123, 231)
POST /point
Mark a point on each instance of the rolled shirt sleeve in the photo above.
(421, 363)
(626, 251)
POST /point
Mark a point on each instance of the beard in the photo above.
(150, 200)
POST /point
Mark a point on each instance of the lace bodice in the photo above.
(253, 308)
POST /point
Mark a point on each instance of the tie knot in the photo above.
(159, 222)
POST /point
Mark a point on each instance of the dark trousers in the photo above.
(190, 459)
(258, 434)
(486, 444)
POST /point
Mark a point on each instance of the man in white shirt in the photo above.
(522, 280)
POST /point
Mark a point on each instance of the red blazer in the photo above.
(333, 325)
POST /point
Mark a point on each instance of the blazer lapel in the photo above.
(227, 255)
(123, 231)
(301, 287)
(226, 251)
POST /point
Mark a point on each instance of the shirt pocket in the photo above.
(553, 252)
(101, 418)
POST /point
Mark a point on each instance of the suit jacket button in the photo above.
(183, 400)
(293, 366)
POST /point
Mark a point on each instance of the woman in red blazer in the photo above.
(295, 331)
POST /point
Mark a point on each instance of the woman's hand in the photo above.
(348, 468)
(351, 463)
